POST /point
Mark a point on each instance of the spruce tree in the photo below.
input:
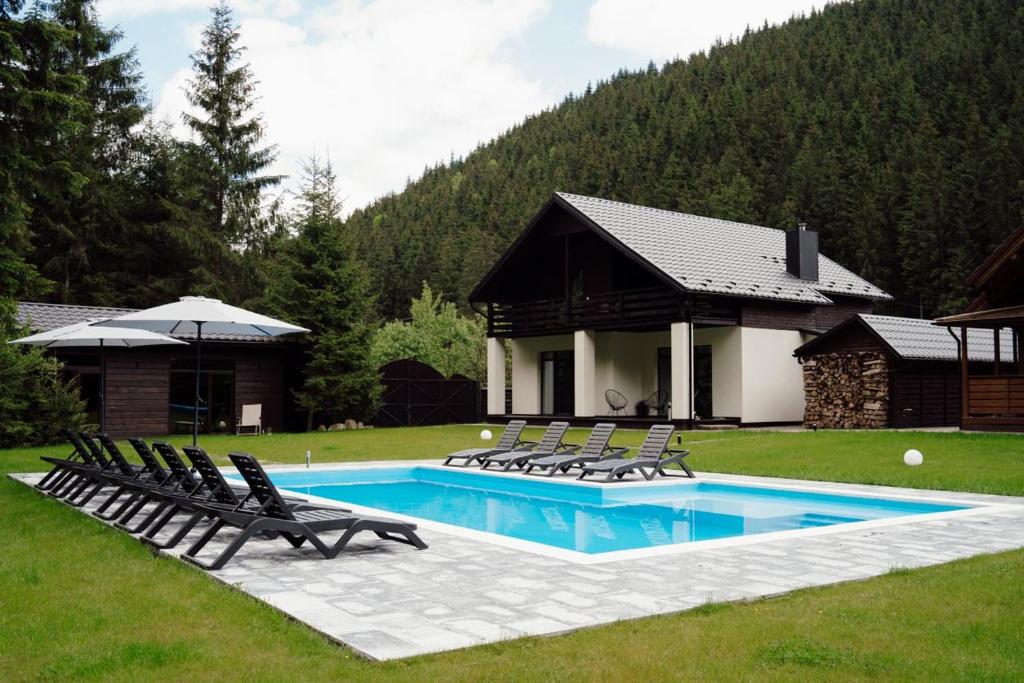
(314, 280)
(79, 230)
(229, 133)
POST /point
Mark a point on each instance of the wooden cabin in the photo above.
(994, 400)
(151, 390)
(875, 371)
(643, 314)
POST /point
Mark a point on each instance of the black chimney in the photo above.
(802, 253)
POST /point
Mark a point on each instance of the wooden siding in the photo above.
(783, 316)
(138, 386)
(259, 378)
(996, 396)
(925, 395)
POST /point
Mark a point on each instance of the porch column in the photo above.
(681, 339)
(495, 376)
(583, 372)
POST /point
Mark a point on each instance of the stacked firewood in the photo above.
(846, 391)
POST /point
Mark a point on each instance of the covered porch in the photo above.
(993, 401)
(686, 373)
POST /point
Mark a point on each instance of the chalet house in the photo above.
(151, 390)
(993, 398)
(624, 309)
(875, 371)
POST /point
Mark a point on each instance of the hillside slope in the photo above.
(894, 127)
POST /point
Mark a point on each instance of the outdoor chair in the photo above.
(657, 402)
(65, 469)
(550, 443)
(295, 525)
(214, 491)
(596, 448)
(651, 460)
(251, 421)
(616, 401)
(508, 441)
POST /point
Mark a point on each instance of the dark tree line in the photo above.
(894, 127)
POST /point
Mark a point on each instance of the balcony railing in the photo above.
(626, 310)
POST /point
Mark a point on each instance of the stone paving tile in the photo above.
(389, 601)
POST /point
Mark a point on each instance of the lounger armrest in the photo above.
(522, 445)
(570, 447)
(674, 451)
(613, 452)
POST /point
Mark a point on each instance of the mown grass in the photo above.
(79, 601)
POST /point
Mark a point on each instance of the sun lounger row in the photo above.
(595, 456)
(143, 499)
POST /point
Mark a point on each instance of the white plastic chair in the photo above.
(251, 421)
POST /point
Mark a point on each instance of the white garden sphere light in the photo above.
(486, 435)
(913, 457)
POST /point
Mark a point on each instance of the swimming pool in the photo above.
(592, 519)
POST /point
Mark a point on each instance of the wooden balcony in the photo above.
(635, 310)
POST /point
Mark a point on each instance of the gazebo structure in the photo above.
(995, 401)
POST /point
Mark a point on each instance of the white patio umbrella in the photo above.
(197, 315)
(88, 334)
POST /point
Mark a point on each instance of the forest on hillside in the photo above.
(893, 127)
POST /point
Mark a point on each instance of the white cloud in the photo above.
(663, 29)
(387, 87)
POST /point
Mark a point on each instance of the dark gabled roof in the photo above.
(916, 339)
(697, 254)
(1010, 247)
(41, 317)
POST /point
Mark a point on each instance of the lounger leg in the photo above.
(109, 500)
(138, 528)
(60, 488)
(176, 537)
(204, 539)
(62, 477)
(229, 552)
(89, 496)
(409, 537)
(53, 477)
(161, 522)
(130, 502)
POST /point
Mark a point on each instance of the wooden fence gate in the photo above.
(416, 394)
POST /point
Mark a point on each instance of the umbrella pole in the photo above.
(195, 408)
(103, 387)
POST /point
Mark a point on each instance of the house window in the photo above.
(702, 405)
(557, 380)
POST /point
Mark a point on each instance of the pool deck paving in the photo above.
(388, 600)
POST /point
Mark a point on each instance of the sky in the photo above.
(386, 88)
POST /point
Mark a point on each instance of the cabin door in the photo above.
(557, 383)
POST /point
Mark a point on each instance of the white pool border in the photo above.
(974, 507)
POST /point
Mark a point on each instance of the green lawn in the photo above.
(79, 601)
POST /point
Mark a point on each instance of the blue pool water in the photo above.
(591, 519)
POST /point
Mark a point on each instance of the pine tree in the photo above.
(39, 105)
(79, 230)
(315, 281)
(223, 91)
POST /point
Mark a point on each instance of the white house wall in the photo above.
(526, 369)
(773, 389)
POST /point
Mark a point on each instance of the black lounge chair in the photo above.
(134, 480)
(651, 460)
(596, 448)
(214, 491)
(180, 484)
(550, 443)
(296, 526)
(68, 469)
(508, 441)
